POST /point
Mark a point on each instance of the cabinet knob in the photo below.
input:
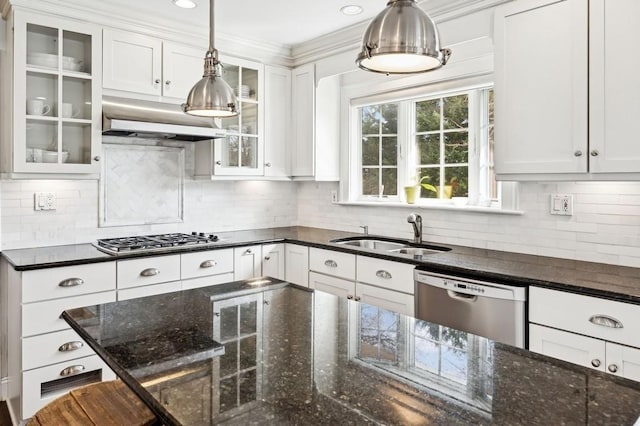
(578, 153)
(248, 251)
(613, 368)
(595, 153)
(267, 164)
(596, 362)
(168, 82)
(157, 81)
(357, 298)
(219, 163)
(96, 158)
(350, 297)
(267, 258)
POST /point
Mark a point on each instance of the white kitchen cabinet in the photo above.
(388, 299)
(206, 263)
(55, 96)
(613, 358)
(387, 274)
(277, 122)
(148, 270)
(303, 120)
(334, 263)
(297, 264)
(613, 85)
(247, 262)
(597, 333)
(337, 286)
(146, 65)
(565, 96)
(149, 290)
(541, 83)
(273, 261)
(45, 358)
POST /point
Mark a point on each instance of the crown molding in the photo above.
(97, 12)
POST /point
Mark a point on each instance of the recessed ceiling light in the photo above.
(185, 4)
(351, 9)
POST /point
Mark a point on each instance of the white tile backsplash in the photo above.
(605, 226)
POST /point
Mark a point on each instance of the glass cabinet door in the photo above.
(56, 95)
(241, 151)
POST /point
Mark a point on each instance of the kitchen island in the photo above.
(265, 351)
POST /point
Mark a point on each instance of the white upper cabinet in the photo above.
(614, 85)
(149, 66)
(56, 92)
(278, 118)
(565, 95)
(303, 120)
(541, 55)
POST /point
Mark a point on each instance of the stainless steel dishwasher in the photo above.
(486, 309)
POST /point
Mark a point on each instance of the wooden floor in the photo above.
(5, 419)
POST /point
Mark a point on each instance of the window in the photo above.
(443, 142)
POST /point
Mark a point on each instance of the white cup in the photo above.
(69, 111)
(37, 107)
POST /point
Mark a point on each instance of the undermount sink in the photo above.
(390, 245)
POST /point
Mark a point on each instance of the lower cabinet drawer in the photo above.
(44, 317)
(148, 270)
(387, 274)
(52, 348)
(149, 290)
(601, 318)
(204, 263)
(43, 385)
(334, 263)
(390, 300)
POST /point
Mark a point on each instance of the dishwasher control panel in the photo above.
(464, 286)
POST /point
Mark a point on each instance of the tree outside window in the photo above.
(379, 132)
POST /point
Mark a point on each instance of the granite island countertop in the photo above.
(597, 279)
(268, 352)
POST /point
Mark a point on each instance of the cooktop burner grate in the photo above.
(155, 242)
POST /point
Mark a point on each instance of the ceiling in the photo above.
(285, 22)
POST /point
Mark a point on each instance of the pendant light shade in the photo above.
(402, 39)
(211, 96)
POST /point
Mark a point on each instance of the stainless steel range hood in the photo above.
(132, 117)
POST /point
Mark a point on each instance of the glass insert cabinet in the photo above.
(241, 152)
(57, 91)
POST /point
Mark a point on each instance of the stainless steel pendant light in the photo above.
(211, 96)
(402, 39)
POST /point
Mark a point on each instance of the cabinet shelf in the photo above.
(41, 118)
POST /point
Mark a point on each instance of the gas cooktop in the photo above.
(158, 242)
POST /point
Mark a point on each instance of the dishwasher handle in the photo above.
(464, 297)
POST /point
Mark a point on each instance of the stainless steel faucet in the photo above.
(416, 221)
(365, 229)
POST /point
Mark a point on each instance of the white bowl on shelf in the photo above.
(52, 156)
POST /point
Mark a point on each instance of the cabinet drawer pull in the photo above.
(383, 274)
(613, 368)
(150, 272)
(70, 371)
(71, 282)
(605, 321)
(70, 346)
(208, 264)
(596, 362)
(330, 263)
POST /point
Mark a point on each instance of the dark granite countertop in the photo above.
(295, 356)
(597, 279)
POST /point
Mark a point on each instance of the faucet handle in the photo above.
(414, 217)
(365, 228)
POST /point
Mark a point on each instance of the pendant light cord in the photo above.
(211, 61)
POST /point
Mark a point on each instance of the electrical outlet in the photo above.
(44, 201)
(562, 205)
(334, 196)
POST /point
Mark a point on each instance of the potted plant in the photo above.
(448, 189)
